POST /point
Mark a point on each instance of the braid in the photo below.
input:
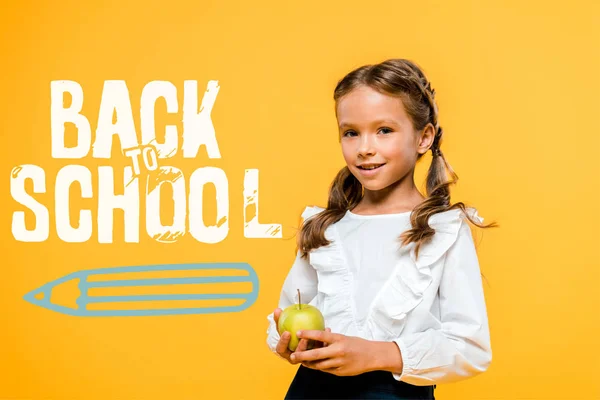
(429, 94)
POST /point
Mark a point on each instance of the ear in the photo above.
(425, 139)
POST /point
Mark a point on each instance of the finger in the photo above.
(321, 336)
(323, 344)
(309, 364)
(334, 371)
(276, 314)
(323, 365)
(302, 345)
(282, 345)
(311, 355)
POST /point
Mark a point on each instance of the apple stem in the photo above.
(299, 302)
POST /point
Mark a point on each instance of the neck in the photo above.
(398, 197)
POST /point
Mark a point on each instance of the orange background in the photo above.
(517, 86)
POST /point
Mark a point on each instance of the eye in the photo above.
(384, 129)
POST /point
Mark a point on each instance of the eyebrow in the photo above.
(378, 122)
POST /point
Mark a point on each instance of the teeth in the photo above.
(372, 167)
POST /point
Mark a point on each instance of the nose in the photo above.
(366, 146)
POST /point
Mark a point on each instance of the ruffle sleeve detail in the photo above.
(309, 211)
(404, 291)
(335, 283)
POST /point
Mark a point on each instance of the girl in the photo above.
(395, 274)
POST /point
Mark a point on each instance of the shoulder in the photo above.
(454, 217)
(310, 211)
(449, 227)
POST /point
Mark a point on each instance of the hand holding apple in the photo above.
(282, 346)
(284, 341)
(299, 317)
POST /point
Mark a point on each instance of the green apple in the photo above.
(300, 317)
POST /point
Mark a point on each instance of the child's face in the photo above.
(375, 129)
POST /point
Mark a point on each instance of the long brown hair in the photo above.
(403, 79)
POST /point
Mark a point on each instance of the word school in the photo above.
(145, 158)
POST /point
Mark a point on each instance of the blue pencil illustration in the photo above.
(42, 295)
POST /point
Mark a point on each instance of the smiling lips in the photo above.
(369, 167)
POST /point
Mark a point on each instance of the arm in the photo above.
(302, 276)
(461, 348)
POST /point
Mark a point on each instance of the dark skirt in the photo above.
(313, 384)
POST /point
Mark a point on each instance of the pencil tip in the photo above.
(36, 296)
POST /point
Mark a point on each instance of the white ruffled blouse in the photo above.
(367, 285)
